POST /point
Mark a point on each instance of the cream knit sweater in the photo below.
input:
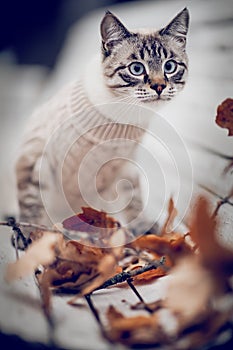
(73, 152)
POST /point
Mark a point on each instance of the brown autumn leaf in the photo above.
(40, 252)
(81, 268)
(150, 276)
(140, 261)
(188, 296)
(89, 221)
(169, 242)
(198, 300)
(74, 267)
(151, 247)
(107, 266)
(138, 330)
(172, 214)
(71, 264)
(224, 116)
(171, 246)
(203, 231)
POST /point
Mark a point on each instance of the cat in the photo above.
(77, 145)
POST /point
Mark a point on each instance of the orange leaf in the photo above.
(138, 330)
(149, 276)
(170, 245)
(172, 213)
(203, 231)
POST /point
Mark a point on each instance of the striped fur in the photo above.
(121, 48)
(68, 127)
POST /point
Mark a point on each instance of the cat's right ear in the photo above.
(178, 27)
(112, 31)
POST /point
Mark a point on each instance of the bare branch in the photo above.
(125, 275)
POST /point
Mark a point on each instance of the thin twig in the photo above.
(224, 199)
(18, 234)
(67, 233)
(208, 150)
(27, 224)
(218, 206)
(95, 312)
(136, 292)
(228, 168)
(92, 307)
(125, 275)
(16, 245)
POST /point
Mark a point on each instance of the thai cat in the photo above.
(78, 144)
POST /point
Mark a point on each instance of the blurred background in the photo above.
(34, 31)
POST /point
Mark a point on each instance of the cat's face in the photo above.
(145, 66)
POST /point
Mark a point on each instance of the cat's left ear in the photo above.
(178, 27)
(112, 31)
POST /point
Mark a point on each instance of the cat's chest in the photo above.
(73, 150)
(84, 168)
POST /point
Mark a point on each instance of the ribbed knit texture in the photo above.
(72, 139)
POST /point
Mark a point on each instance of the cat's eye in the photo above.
(170, 67)
(137, 68)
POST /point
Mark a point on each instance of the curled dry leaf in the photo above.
(225, 115)
(190, 289)
(148, 276)
(169, 222)
(81, 268)
(138, 330)
(203, 231)
(94, 226)
(70, 265)
(170, 244)
(107, 266)
(41, 252)
(90, 221)
(198, 300)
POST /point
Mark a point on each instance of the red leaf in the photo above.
(225, 115)
(89, 221)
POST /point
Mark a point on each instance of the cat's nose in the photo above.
(158, 88)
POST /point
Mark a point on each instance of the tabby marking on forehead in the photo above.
(145, 65)
(140, 68)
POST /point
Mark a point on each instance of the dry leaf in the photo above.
(89, 221)
(71, 264)
(198, 300)
(171, 245)
(189, 291)
(203, 231)
(149, 276)
(225, 115)
(107, 266)
(41, 252)
(81, 268)
(138, 330)
(172, 214)
(151, 247)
